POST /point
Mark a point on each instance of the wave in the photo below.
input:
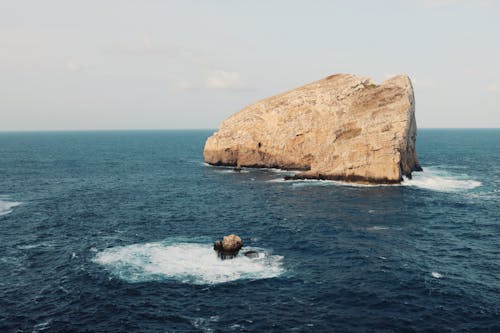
(439, 180)
(283, 171)
(6, 206)
(317, 182)
(185, 262)
(322, 182)
(231, 170)
(377, 228)
(431, 179)
(436, 275)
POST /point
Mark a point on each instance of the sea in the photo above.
(112, 231)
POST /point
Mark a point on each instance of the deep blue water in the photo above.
(112, 232)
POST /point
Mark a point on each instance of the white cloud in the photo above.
(494, 87)
(147, 43)
(185, 85)
(73, 66)
(445, 3)
(220, 79)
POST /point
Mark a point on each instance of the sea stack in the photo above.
(229, 246)
(343, 127)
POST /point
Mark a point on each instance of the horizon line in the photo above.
(196, 129)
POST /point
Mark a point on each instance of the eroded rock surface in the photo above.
(343, 127)
(229, 246)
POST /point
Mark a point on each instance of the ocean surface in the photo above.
(113, 232)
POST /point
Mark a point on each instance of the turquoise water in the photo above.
(112, 232)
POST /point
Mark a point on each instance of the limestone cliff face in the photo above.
(342, 127)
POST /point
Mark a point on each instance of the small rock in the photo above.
(232, 243)
(228, 248)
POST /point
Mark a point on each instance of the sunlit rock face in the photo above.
(229, 246)
(343, 127)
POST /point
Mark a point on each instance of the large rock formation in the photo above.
(342, 127)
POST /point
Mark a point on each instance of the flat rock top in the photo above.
(342, 127)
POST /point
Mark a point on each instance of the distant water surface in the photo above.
(112, 232)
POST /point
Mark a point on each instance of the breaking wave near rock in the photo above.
(442, 181)
(185, 262)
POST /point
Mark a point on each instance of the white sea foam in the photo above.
(303, 182)
(35, 245)
(431, 178)
(42, 326)
(436, 275)
(439, 180)
(318, 182)
(377, 228)
(225, 170)
(185, 262)
(277, 180)
(204, 324)
(311, 182)
(6, 206)
(282, 171)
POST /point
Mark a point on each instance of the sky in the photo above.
(151, 64)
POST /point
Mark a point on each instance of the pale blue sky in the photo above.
(68, 65)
